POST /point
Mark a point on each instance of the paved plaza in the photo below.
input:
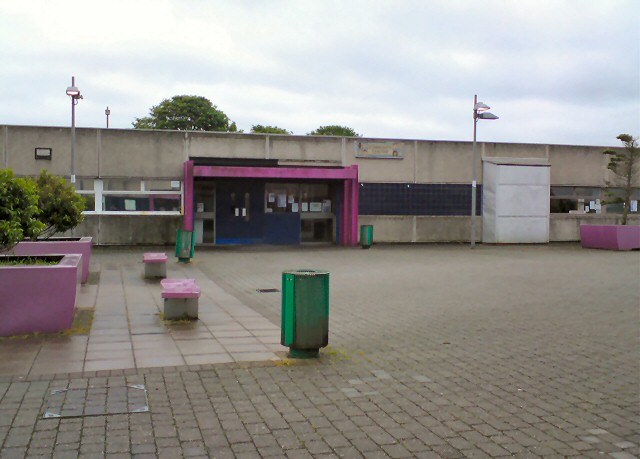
(434, 351)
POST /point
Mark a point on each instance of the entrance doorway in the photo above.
(239, 212)
(271, 205)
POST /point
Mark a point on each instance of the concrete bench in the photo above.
(180, 298)
(155, 265)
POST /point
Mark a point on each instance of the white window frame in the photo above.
(99, 193)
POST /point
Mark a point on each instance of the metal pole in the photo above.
(475, 173)
(73, 134)
(107, 112)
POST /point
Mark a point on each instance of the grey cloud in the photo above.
(352, 61)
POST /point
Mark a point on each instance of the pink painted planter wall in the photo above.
(610, 237)
(60, 246)
(38, 298)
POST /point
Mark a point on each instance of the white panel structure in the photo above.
(515, 200)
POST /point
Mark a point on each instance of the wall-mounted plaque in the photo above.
(43, 153)
(380, 150)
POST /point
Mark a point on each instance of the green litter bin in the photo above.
(366, 236)
(305, 312)
(185, 245)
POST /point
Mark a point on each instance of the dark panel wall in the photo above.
(417, 199)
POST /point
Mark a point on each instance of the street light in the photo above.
(107, 112)
(479, 112)
(74, 93)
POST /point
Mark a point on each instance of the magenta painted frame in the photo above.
(60, 246)
(188, 196)
(610, 237)
(39, 298)
(348, 175)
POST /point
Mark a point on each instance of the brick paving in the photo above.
(435, 351)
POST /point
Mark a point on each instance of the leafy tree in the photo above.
(186, 113)
(18, 210)
(625, 164)
(60, 206)
(342, 131)
(260, 129)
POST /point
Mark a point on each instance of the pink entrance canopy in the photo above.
(348, 175)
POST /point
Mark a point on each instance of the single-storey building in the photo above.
(142, 185)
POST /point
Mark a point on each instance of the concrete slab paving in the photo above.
(128, 309)
(435, 351)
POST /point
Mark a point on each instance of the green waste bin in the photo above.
(185, 245)
(305, 312)
(366, 236)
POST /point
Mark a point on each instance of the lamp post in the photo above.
(107, 112)
(479, 112)
(74, 93)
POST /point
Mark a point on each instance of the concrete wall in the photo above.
(129, 229)
(387, 228)
(306, 149)
(562, 227)
(160, 154)
(212, 145)
(566, 227)
(132, 153)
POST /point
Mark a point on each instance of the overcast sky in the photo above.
(554, 71)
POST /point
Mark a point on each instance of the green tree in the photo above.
(60, 206)
(186, 113)
(260, 129)
(625, 164)
(341, 131)
(18, 210)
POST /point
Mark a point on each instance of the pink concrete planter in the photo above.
(610, 237)
(39, 298)
(59, 246)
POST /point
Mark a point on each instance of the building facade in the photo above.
(140, 186)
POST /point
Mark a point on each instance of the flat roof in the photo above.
(504, 161)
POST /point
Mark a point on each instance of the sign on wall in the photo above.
(381, 150)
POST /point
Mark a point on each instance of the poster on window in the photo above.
(282, 199)
(316, 207)
(326, 206)
(305, 207)
(129, 204)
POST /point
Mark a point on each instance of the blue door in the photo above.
(239, 212)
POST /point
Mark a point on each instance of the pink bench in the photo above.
(155, 264)
(180, 298)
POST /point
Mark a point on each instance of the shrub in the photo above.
(625, 164)
(60, 206)
(18, 210)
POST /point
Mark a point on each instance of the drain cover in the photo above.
(96, 401)
(268, 290)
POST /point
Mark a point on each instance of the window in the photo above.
(591, 200)
(298, 198)
(131, 195)
(575, 199)
(618, 208)
(282, 197)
